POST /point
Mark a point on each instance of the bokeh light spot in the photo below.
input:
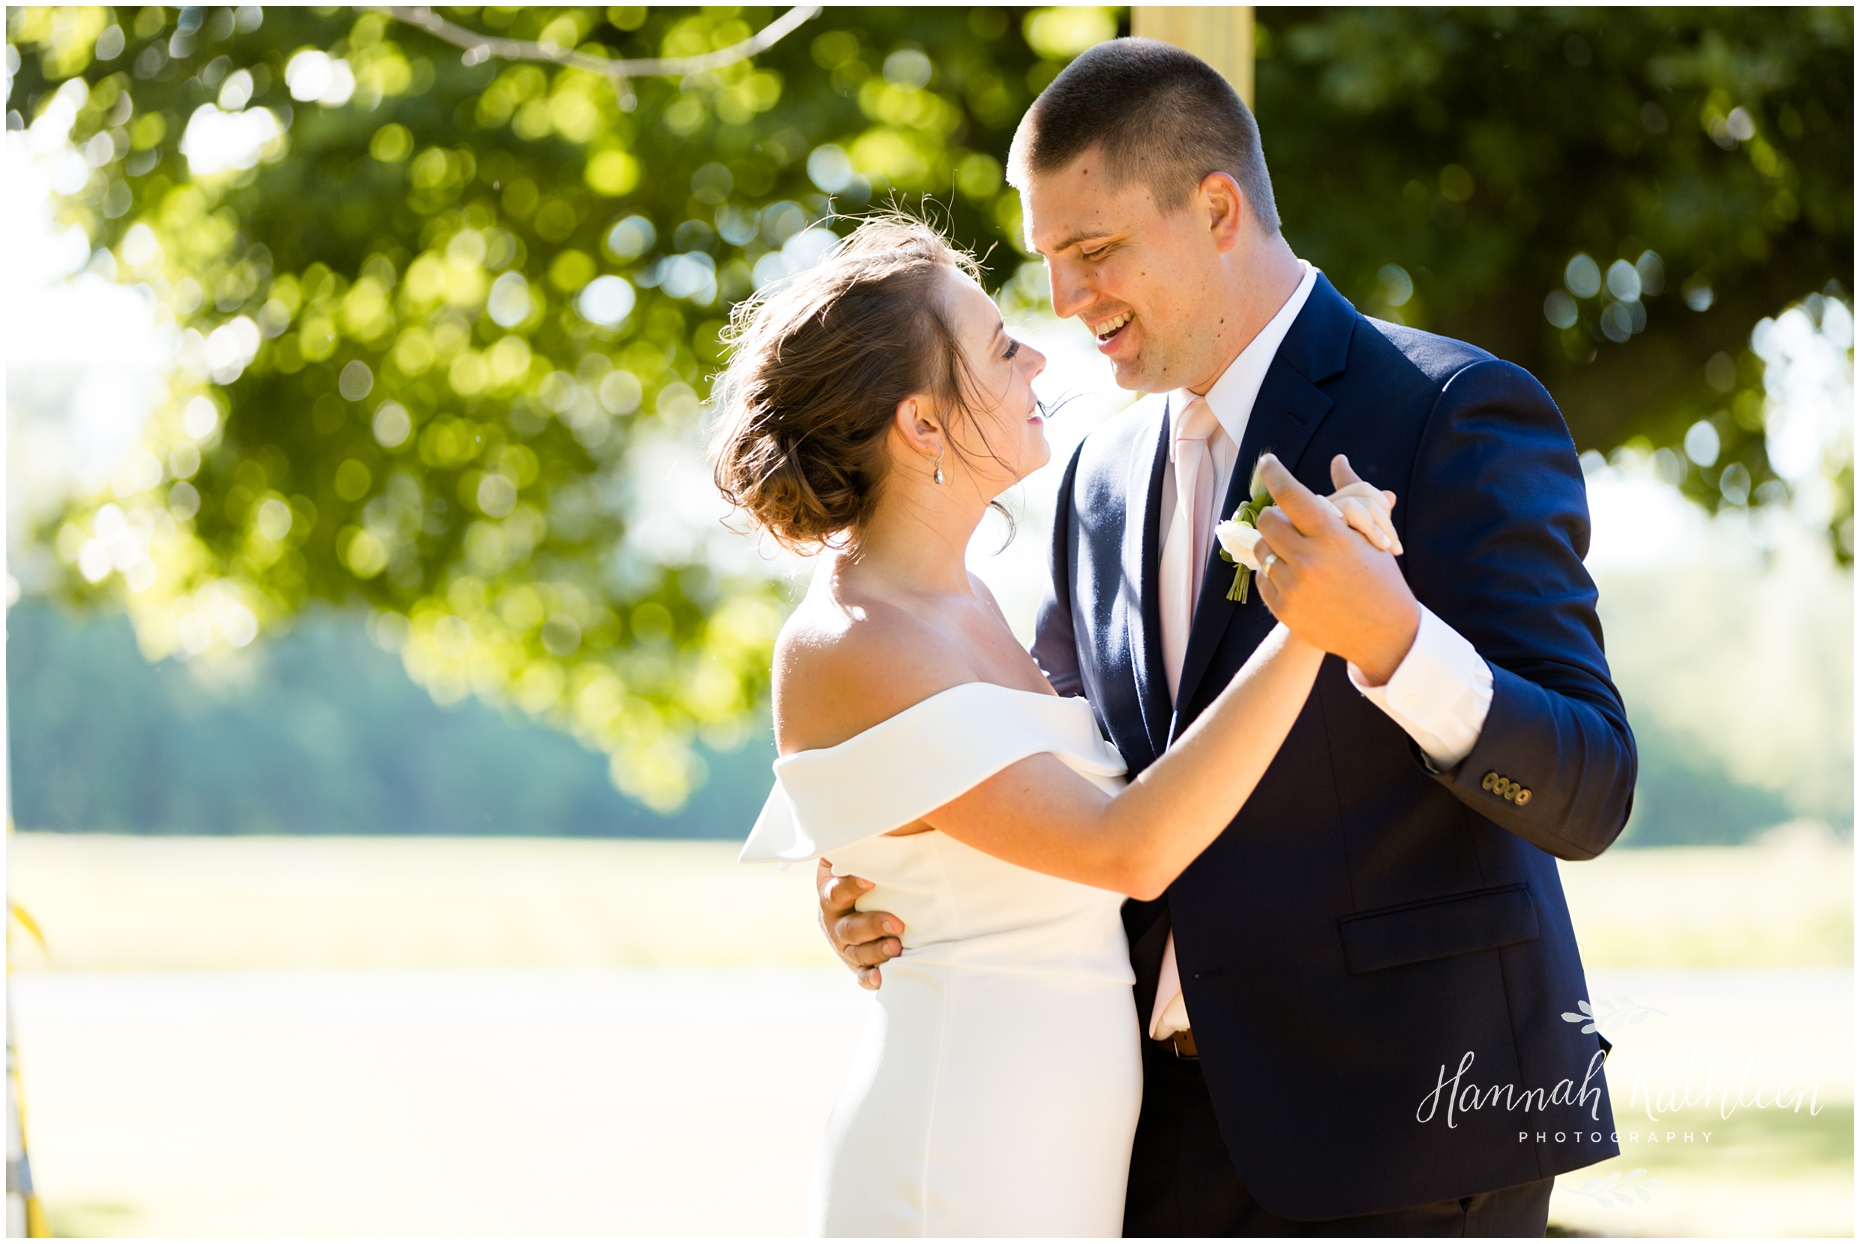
(392, 425)
(606, 300)
(356, 381)
(1582, 276)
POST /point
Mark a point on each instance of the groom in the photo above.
(1353, 1000)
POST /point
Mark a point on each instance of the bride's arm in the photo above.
(1041, 815)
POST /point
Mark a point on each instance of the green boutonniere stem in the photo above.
(1247, 516)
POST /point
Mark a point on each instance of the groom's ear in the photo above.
(1224, 202)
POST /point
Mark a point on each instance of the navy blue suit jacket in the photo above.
(1365, 923)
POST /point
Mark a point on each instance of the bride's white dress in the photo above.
(996, 1087)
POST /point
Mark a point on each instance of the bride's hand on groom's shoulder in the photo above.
(862, 939)
(1329, 572)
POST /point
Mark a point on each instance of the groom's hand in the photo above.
(1329, 584)
(862, 939)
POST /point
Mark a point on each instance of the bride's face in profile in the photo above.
(1001, 437)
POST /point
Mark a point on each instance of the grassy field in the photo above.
(302, 1036)
(111, 903)
(1787, 902)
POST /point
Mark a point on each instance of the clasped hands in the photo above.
(1327, 571)
(1328, 568)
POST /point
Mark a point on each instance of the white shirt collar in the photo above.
(1233, 395)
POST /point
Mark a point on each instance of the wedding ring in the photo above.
(1265, 567)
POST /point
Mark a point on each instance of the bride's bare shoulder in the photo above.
(842, 666)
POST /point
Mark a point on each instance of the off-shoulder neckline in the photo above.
(934, 696)
(893, 773)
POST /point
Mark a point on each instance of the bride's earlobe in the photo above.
(922, 433)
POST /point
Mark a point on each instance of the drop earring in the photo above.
(938, 475)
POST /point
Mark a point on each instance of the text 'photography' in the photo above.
(864, 620)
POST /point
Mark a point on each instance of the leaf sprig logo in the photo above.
(1620, 1013)
(1614, 1189)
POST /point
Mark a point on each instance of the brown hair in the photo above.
(1161, 116)
(819, 363)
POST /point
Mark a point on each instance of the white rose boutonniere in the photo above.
(1238, 537)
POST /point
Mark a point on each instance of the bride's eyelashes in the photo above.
(1012, 350)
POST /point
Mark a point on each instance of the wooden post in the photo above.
(1221, 35)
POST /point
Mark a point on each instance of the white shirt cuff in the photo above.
(1440, 693)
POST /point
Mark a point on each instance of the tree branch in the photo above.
(479, 47)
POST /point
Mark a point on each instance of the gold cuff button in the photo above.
(1505, 788)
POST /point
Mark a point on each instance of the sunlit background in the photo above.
(386, 691)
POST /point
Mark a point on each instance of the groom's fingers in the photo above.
(866, 937)
(1280, 534)
(1274, 583)
(866, 957)
(837, 894)
(862, 939)
(1308, 512)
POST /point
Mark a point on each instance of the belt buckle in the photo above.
(1183, 1043)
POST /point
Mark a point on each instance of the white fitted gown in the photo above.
(996, 1088)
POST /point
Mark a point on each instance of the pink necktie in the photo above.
(1185, 547)
(1184, 552)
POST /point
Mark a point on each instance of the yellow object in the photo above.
(1221, 35)
(24, 1216)
(1506, 789)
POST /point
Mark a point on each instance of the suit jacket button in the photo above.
(1523, 797)
(1489, 781)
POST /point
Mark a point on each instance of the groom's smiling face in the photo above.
(1139, 280)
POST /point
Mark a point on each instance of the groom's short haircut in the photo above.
(1161, 116)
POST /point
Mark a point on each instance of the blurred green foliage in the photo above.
(436, 312)
(317, 732)
(1611, 198)
(438, 318)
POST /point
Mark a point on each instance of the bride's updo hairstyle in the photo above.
(819, 363)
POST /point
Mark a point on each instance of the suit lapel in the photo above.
(1285, 416)
(1142, 559)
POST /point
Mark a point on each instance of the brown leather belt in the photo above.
(1184, 1043)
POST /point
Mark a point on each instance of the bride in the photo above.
(873, 408)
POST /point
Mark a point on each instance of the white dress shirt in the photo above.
(1441, 691)
(1232, 396)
